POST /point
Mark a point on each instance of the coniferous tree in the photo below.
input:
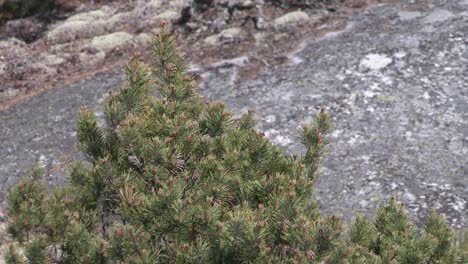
(176, 179)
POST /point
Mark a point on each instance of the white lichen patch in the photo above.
(42, 161)
(292, 18)
(229, 34)
(409, 15)
(369, 94)
(110, 41)
(376, 62)
(438, 15)
(277, 138)
(400, 54)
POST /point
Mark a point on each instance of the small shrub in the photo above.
(176, 179)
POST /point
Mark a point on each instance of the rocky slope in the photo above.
(394, 79)
(37, 56)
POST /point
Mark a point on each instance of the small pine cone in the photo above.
(311, 254)
(320, 141)
(155, 179)
(171, 67)
(132, 159)
(181, 165)
(135, 162)
(286, 249)
(285, 225)
(219, 225)
(118, 233)
(216, 203)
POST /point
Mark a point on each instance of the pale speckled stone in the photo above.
(52, 60)
(153, 5)
(225, 35)
(438, 15)
(409, 15)
(168, 15)
(69, 31)
(81, 25)
(376, 62)
(290, 19)
(144, 40)
(92, 59)
(111, 41)
(2, 68)
(89, 16)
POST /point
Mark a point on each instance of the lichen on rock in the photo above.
(111, 41)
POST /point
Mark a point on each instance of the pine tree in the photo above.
(177, 179)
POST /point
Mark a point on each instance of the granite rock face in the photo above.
(394, 81)
(396, 86)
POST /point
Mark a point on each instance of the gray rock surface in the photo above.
(42, 130)
(229, 34)
(394, 81)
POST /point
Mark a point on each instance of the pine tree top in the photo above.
(176, 179)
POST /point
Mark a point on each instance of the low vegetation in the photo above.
(16, 9)
(177, 179)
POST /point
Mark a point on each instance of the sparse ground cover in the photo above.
(38, 54)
